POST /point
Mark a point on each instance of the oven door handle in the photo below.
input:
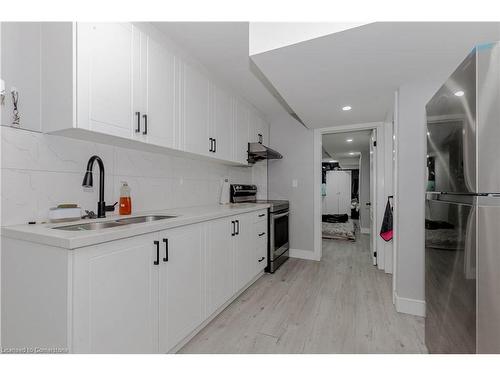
(279, 215)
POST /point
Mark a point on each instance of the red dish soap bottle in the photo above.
(125, 199)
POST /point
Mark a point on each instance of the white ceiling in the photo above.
(266, 36)
(362, 67)
(222, 47)
(339, 149)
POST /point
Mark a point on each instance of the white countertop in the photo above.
(44, 234)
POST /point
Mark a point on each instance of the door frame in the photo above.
(318, 146)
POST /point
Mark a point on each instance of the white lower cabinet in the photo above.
(142, 294)
(260, 245)
(244, 254)
(115, 297)
(220, 255)
(181, 286)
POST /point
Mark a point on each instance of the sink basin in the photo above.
(90, 226)
(114, 223)
(143, 219)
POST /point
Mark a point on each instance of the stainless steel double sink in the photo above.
(114, 223)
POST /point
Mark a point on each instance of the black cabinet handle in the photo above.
(261, 234)
(215, 145)
(157, 261)
(237, 227)
(165, 240)
(262, 215)
(261, 259)
(234, 228)
(138, 129)
(260, 138)
(211, 149)
(145, 117)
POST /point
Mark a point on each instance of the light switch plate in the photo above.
(295, 183)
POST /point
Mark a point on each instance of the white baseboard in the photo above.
(365, 230)
(410, 306)
(303, 254)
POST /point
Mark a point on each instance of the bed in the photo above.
(339, 231)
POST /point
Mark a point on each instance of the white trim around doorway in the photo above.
(318, 133)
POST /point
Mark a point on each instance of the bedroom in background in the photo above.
(346, 171)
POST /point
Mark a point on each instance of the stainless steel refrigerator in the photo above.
(462, 225)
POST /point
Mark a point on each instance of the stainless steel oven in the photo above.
(278, 247)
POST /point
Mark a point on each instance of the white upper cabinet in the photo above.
(195, 111)
(106, 67)
(20, 69)
(240, 138)
(122, 80)
(258, 129)
(158, 119)
(221, 123)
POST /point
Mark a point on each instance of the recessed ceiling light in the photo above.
(348, 140)
(459, 93)
(347, 108)
(352, 153)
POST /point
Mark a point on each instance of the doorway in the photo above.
(347, 171)
(379, 177)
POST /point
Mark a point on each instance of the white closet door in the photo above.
(332, 198)
(345, 192)
(338, 192)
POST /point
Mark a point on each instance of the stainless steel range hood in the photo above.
(257, 151)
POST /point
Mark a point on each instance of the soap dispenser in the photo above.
(125, 199)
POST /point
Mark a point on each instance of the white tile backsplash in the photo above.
(40, 171)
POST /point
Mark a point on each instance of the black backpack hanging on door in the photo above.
(386, 230)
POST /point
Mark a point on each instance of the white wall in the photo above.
(409, 205)
(364, 191)
(296, 144)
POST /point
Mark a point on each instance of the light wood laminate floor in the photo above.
(342, 304)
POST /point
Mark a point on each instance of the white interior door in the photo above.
(373, 185)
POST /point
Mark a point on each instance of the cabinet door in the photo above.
(160, 96)
(240, 152)
(260, 246)
(20, 65)
(195, 111)
(244, 252)
(222, 123)
(106, 66)
(219, 264)
(258, 129)
(115, 303)
(181, 284)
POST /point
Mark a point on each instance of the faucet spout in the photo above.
(88, 182)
